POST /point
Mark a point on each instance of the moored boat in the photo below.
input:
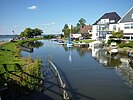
(69, 44)
(113, 51)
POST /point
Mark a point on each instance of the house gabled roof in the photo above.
(127, 17)
(85, 29)
(111, 16)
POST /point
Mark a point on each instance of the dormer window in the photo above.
(132, 16)
(112, 21)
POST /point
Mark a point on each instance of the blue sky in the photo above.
(52, 15)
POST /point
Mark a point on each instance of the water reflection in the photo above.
(70, 55)
(126, 71)
(91, 75)
(118, 61)
(29, 45)
(82, 51)
(104, 58)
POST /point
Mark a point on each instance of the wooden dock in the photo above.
(81, 44)
(27, 49)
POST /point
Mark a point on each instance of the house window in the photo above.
(127, 26)
(97, 27)
(132, 16)
(114, 27)
(132, 26)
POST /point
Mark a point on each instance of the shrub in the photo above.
(121, 45)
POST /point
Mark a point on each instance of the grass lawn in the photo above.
(86, 41)
(10, 53)
(12, 62)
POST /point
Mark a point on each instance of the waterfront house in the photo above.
(126, 24)
(86, 31)
(103, 27)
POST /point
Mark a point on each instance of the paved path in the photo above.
(2, 43)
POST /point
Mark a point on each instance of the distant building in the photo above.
(76, 36)
(105, 25)
(86, 31)
(126, 24)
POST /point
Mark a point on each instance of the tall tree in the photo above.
(74, 30)
(66, 30)
(81, 23)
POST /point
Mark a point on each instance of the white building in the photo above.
(102, 28)
(109, 22)
(126, 24)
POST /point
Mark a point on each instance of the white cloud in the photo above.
(48, 24)
(32, 7)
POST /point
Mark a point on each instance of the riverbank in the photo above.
(123, 50)
(1, 43)
(16, 68)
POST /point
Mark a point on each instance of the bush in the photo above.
(122, 44)
(112, 40)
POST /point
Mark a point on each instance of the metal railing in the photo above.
(62, 84)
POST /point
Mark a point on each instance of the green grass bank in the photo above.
(24, 71)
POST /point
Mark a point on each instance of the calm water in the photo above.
(89, 74)
(6, 37)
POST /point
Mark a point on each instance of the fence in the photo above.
(62, 84)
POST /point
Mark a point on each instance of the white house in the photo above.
(126, 24)
(112, 22)
(102, 28)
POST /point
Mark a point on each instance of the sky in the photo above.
(51, 15)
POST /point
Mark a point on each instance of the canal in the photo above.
(88, 74)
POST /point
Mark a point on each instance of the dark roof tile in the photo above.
(111, 16)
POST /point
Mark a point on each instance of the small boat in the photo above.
(113, 47)
(113, 51)
(27, 49)
(61, 42)
(69, 44)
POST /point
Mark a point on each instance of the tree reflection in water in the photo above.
(32, 44)
(29, 46)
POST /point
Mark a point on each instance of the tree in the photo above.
(28, 32)
(37, 31)
(81, 23)
(22, 34)
(74, 30)
(66, 30)
(118, 34)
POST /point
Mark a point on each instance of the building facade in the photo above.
(109, 22)
(86, 31)
(126, 24)
(105, 25)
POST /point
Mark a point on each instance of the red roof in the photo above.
(85, 29)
